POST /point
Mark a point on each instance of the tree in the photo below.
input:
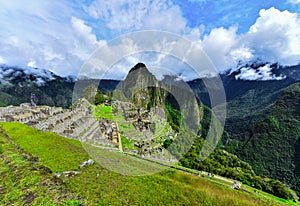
(99, 98)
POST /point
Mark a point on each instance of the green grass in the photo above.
(59, 154)
(99, 186)
(104, 112)
(25, 181)
(127, 143)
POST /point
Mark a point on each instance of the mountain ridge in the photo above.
(272, 145)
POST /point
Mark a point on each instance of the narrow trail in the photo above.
(119, 137)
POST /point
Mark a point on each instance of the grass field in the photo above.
(25, 181)
(104, 112)
(96, 185)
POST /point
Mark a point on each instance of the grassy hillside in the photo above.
(96, 185)
(25, 181)
(228, 165)
(272, 145)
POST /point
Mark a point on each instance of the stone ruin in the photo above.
(33, 100)
(110, 130)
(88, 162)
(236, 185)
(27, 114)
(140, 118)
(66, 174)
(77, 123)
(145, 141)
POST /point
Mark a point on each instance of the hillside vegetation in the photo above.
(25, 181)
(95, 185)
(272, 145)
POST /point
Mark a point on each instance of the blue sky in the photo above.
(61, 35)
(226, 13)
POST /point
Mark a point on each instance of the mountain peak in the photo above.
(138, 66)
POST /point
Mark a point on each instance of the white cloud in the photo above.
(274, 37)
(86, 39)
(294, 1)
(47, 33)
(83, 30)
(162, 50)
(122, 16)
(218, 44)
(55, 35)
(31, 64)
(262, 74)
(2, 60)
(52, 35)
(225, 47)
(8, 74)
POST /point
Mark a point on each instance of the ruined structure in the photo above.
(236, 185)
(79, 123)
(76, 123)
(110, 130)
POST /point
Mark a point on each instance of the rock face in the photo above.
(141, 87)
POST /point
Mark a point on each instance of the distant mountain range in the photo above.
(251, 89)
(17, 85)
(256, 95)
(249, 99)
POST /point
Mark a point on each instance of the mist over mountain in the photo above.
(249, 100)
(262, 81)
(17, 85)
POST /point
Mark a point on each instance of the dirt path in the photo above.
(119, 137)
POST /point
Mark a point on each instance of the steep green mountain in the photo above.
(223, 163)
(136, 89)
(272, 145)
(141, 87)
(249, 100)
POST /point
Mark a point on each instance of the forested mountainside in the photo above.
(272, 146)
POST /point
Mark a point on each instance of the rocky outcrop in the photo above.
(88, 162)
(66, 174)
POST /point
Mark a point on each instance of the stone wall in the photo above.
(77, 123)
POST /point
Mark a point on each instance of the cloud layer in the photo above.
(262, 73)
(62, 35)
(274, 37)
(44, 34)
